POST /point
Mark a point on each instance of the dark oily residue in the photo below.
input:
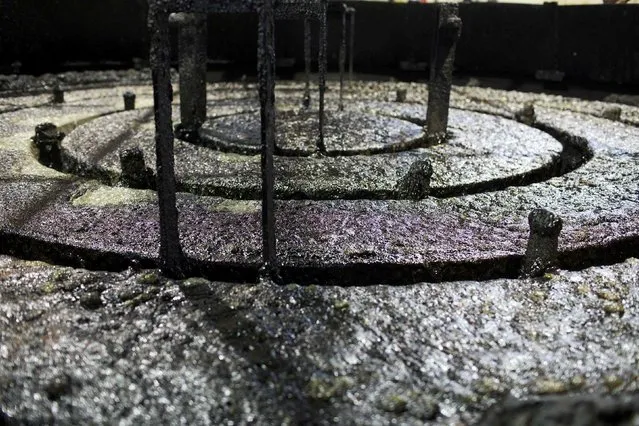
(158, 350)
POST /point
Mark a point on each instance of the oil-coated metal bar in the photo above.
(266, 76)
(192, 62)
(441, 71)
(322, 75)
(307, 62)
(342, 60)
(351, 55)
(171, 256)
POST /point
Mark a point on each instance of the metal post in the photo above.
(58, 94)
(48, 143)
(351, 58)
(322, 74)
(307, 62)
(266, 77)
(192, 63)
(441, 71)
(171, 256)
(342, 60)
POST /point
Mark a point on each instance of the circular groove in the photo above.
(422, 247)
(486, 153)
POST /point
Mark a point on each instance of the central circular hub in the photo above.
(297, 133)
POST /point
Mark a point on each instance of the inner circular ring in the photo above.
(485, 153)
(350, 132)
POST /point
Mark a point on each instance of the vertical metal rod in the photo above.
(342, 60)
(266, 76)
(441, 71)
(171, 256)
(321, 147)
(307, 62)
(555, 34)
(351, 58)
(192, 62)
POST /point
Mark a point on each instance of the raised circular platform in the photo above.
(484, 152)
(297, 134)
(340, 218)
(87, 346)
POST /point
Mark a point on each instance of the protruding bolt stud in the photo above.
(16, 67)
(58, 95)
(48, 141)
(306, 101)
(526, 115)
(129, 101)
(400, 95)
(612, 113)
(415, 185)
(138, 64)
(543, 243)
(135, 174)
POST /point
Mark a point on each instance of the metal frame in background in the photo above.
(172, 259)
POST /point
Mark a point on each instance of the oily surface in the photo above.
(82, 346)
(93, 347)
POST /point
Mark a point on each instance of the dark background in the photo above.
(591, 44)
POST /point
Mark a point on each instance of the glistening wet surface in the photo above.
(82, 346)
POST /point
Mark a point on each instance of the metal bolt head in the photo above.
(46, 131)
(58, 95)
(544, 222)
